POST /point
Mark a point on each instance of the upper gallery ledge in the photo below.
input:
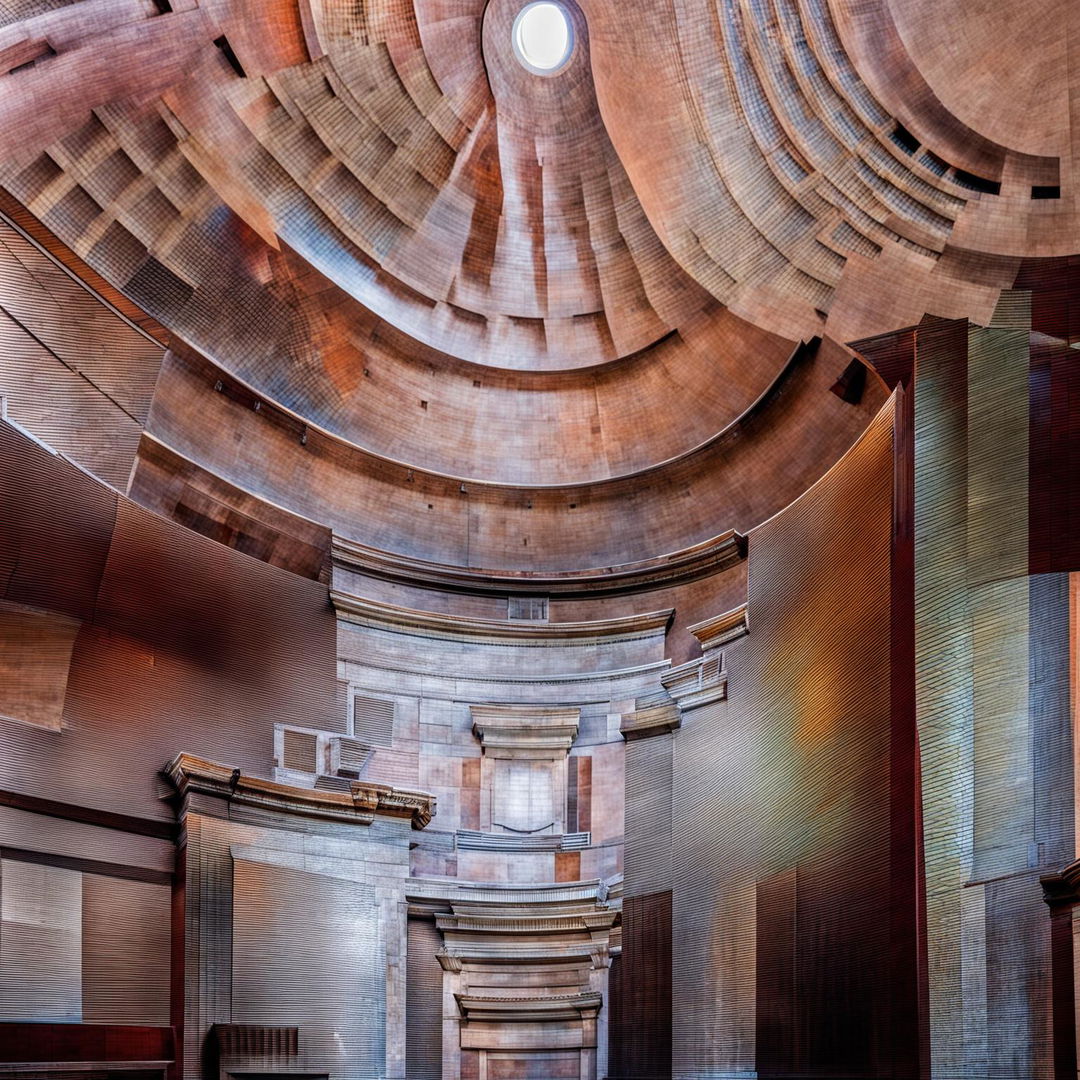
(700, 560)
(396, 619)
(525, 461)
(359, 805)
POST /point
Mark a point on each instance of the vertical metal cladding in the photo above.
(640, 1018)
(785, 957)
(993, 498)
(423, 1003)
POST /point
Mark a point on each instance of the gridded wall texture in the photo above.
(297, 923)
(307, 951)
(794, 907)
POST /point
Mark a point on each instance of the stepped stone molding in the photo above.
(527, 967)
(1063, 886)
(721, 629)
(525, 731)
(699, 682)
(359, 805)
(693, 684)
(507, 1009)
(652, 720)
(528, 923)
(427, 897)
(396, 619)
(700, 560)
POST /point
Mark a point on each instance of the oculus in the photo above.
(543, 37)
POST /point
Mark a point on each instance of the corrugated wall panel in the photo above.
(648, 816)
(640, 1028)
(792, 775)
(423, 1003)
(40, 948)
(307, 951)
(125, 951)
(186, 645)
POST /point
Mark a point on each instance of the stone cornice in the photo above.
(721, 629)
(360, 805)
(530, 731)
(689, 564)
(547, 1008)
(466, 894)
(697, 683)
(396, 619)
(556, 950)
(654, 720)
(1063, 886)
(521, 922)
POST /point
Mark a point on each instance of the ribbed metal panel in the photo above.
(307, 951)
(125, 951)
(373, 720)
(794, 771)
(648, 815)
(423, 1003)
(640, 1033)
(40, 942)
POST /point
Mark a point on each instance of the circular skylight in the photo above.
(543, 38)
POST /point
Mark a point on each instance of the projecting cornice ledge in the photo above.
(721, 629)
(700, 560)
(525, 731)
(1062, 888)
(394, 619)
(359, 805)
(652, 720)
(524, 1009)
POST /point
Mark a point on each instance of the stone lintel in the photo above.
(359, 805)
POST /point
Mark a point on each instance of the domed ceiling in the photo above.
(477, 316)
